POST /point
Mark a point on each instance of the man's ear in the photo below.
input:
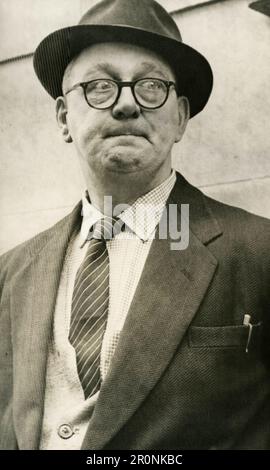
(184, 115)
(61, 117)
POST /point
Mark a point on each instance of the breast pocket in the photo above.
(235, 336)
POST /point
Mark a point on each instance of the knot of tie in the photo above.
(106, 228)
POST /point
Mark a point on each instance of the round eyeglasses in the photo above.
(103, 93)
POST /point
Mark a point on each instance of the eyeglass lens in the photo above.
(103, 93)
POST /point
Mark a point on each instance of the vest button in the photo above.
(65, 431)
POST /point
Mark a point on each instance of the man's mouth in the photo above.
(125, 133)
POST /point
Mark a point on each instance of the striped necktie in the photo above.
(90, 304)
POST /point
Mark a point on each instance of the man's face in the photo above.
(125, 139)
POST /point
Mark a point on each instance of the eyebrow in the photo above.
(151, 67)
(103, 67)
(108, 68)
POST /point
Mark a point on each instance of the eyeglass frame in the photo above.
(121, 84)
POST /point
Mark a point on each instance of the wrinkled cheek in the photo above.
(87, 143)
(166, 139)
(168, 134)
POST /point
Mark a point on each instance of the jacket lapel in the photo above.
(31, 312)
(171, 288)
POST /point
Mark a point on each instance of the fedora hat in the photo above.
(141, 22)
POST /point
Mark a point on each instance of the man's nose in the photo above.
(126, 106)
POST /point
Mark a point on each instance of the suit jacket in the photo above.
(181, 377)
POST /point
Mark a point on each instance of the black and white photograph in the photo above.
(135, 227)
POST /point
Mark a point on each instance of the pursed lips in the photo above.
(125, 133)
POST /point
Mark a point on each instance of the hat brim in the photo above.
(193, 72)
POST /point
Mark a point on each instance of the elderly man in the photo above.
(122, 342)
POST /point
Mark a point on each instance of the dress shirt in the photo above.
(66, 412)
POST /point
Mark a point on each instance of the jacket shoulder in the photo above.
(237, 219)
(245, 235)
(12, 259)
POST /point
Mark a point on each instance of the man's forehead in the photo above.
(110, 56)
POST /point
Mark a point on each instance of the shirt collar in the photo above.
(141, 217)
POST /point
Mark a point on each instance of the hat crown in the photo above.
(147, 15)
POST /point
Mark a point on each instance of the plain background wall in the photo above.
(225, 150)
